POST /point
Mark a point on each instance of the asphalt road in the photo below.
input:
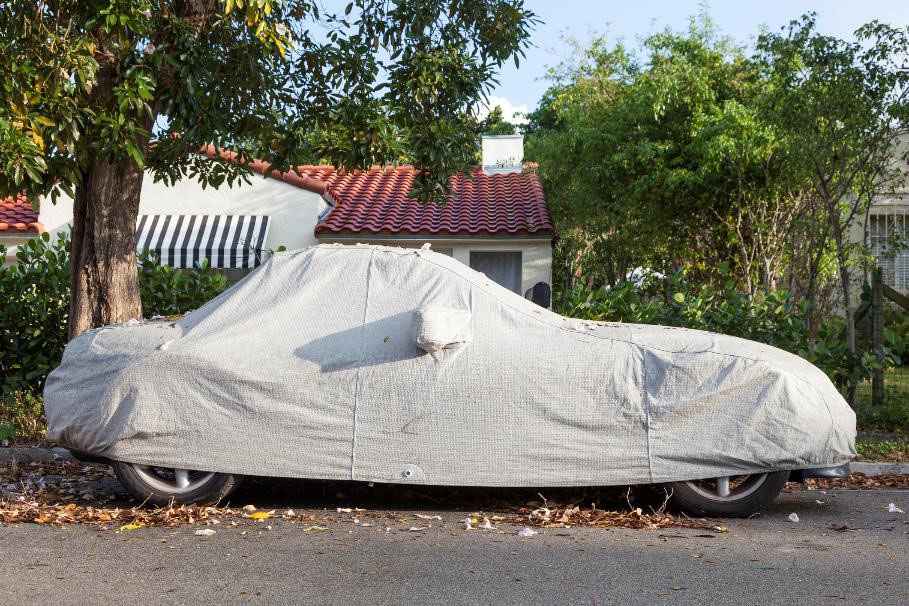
(765, 560)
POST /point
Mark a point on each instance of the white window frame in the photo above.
(883, 225)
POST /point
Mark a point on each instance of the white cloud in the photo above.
(509, 110)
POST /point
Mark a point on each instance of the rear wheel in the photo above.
(729, 496)
(163, 485)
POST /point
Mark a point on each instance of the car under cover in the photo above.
(309, 367)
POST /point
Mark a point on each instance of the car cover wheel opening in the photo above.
(739, 495)
(728, 488)
(165, 485)
(178, 481)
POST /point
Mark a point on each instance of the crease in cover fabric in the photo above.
(310, 367)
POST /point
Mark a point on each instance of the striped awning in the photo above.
(227, 241)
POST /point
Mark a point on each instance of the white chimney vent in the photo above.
(503, 154)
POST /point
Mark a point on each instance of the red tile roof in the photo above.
(375, 202)
(312, 178)
(17, 216)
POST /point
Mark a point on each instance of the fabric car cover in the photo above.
(310, 367)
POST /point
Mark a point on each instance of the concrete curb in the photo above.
(47, 455)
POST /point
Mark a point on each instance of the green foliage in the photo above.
(167, 291)
(884, 450)
(894, 414)
(689, 153)
(646, 163)
(496, 124)
(21, 416)
(843, 105)
(770, 317)
(36, 295)
(83, 81)
(896, 333)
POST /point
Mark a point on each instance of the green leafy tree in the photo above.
(703, 157)
(660, 163)
(86, 85)
(843, 105)
(496, 124)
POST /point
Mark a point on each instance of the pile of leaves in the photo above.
(566, 516)
(63, 493)
(855, 481)
(66, 492)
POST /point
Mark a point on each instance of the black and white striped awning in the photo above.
(227, 241)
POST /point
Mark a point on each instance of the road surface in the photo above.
(765, 560)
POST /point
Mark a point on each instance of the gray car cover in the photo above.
(401, 365)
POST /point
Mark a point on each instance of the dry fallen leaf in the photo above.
(260, 515)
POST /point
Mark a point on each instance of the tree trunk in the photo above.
(103, 275)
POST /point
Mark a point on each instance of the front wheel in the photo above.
(729, 496)
(164, 486)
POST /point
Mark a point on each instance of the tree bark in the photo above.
(103, 274)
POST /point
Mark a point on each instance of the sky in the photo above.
(520, 89)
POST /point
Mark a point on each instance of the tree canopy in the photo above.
(82, 79)
(96, 92)
(690, 153)
(495, 123)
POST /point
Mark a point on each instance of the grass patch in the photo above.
(893, 415)
(870, 449)
(21, 418)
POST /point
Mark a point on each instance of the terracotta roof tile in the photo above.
(17, 216)
(312, 178)
(375, 201)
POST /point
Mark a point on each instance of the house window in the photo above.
(501, 267)
(889, 239)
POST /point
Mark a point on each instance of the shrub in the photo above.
(36, 295)
(166, 291)
(21, 417)
(896, 333)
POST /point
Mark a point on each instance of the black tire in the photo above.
(688, 497)
(206, 489)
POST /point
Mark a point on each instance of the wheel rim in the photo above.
(172, 481)
(728, 488)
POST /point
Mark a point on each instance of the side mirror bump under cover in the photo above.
(440, 327)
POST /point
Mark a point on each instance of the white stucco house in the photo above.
(495, 219)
